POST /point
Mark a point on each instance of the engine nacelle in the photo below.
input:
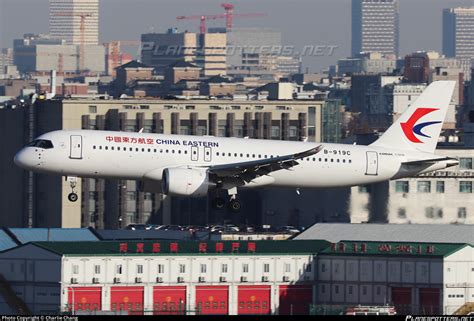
(186, 182)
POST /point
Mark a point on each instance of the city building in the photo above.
(368, 63)
(37, 53)
(375, 26)
(417, 68)
(442, 197)
(419, 269)
(458, 32)
(207, 51)
(75, 21)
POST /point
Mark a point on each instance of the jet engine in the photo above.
(186, 182)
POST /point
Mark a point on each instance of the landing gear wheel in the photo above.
(72, 197)
(235, 205)
(219, 203)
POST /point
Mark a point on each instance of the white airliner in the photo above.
(193, 165)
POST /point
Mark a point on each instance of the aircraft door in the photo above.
(207, 154)
(372, 166)
(194, 153)
(76, 147)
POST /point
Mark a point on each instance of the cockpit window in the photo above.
(41, 143)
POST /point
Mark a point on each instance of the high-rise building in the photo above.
(375, 26)
(207, 50)
(458, 32)
(74, 20)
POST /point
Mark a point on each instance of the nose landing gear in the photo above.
(72, 197)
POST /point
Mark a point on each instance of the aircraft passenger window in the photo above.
(217, 153)
(338, 160)
(118, 148)
(136, 149)
(185, 151)
(167, 150)
(100, 147)
(248, 155)
(325, 159)
(343, 160)
(266, 156)
(253, 155)
(112, 148)
(106, 148)
(235, 154)
(271, 156)
(149, 150)
(320, 159)
(194, 152)
(230, 154)
(161, 151)
(41, 143)
(332, 160)
(172, 151)
(154, 151)
(179, 151)
(314, 159)
(143, 149)
(259, 156)
(93, 147)
(241, 155)
(350, 161)
(131, 148)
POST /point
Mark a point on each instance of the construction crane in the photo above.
(229, 16)
(83, 16)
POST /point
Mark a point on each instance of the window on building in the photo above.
(182, 268)
(429, 212)
(245, 268)
(139, 269)
(323, 267)
(75, 269)
(118, 269)
(349, 290)
(465, 163)
(364, 290)
(203, 268)
(92, 109)
(439, 212)
(462, 212)
(161, 268)
(131, 196)
(266, 268)
(309, 267)
(224, 268)
(402, 187)
(402, 212)
(287, 267)
(465, 187)
(97, 269)
(440, 187)
(323, 288)
(424, 187)
(336, 289)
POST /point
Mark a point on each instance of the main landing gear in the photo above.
(72, 197)
(234, 204)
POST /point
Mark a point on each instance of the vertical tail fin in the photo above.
(418, 128)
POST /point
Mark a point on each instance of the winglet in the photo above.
(309, 152)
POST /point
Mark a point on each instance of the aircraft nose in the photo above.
(24, 160)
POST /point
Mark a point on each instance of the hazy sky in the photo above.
(302, 22)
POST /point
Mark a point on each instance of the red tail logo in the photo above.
(410, 128)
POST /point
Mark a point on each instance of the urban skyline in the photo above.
(147, 16)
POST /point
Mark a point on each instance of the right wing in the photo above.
(247, 171)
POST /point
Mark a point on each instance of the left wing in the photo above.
(247, 171)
